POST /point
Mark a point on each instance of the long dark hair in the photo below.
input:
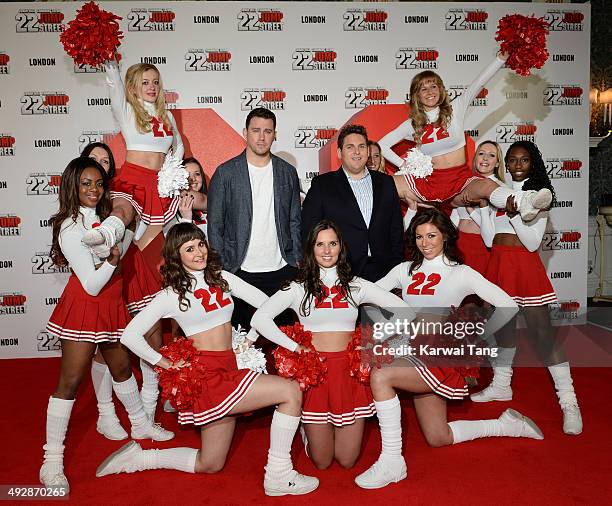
(69, 202)
(443, 223)
(309, 271)
(538, 177)
(174, 273)
(191, 159)
(112, 170)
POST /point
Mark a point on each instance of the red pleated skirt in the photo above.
(224, 386)
(342, 399)
(140, 282)
(475, 253)
(138, 185)
(442, 184)
(444, 381)
(521, 274)
(82, 317)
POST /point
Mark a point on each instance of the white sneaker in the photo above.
(382, 473)
(518, 425)
(110, 428)
(532, 202)
(572, 419)
(294, 484)
(127, 459)
(150, 430)
(168, 407)
(493, 393)
(52, 475)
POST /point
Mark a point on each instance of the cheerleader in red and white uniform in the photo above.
(434, 278)
(437, 127)
(325, 296)
(516, 266)
(198, 295)
(91, 312)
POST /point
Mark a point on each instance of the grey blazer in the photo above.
(230, 211)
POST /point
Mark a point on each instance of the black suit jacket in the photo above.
(331, 197)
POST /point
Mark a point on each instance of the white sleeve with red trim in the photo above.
(530, 233)
(248, 293)
(404, 131)
(393, 279)
(487, 225)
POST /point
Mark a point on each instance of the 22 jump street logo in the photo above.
(171, 97)
(10, 225)
(208, 60)
(44, 102)
(47, 342)
(410, 58)
(314, 59)
(461, 19)
(42, 264)
(313, 137)
(563, 168)
(359, 98)
(38, 20)
(563, 94)
(12, 303)
(43, 184)
(83, 68)
(455, 91)
(364, 20)
(7, 143)
(151, 20)
(89, 136)
(564, 310)
(561, 240)
(4, 63)
(270, 98)
(260, 20)
(507, 133)
(564, 21)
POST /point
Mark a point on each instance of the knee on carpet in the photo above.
(437, 439)
(209, 466)
(346, 461)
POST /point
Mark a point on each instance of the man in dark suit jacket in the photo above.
(254, 213)
(363, 203)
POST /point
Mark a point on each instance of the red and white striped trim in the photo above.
(434, 383)
(168, 215)
(83, 335)
(339, 420)
(138, 305)
(222, 409)
(538, 300)
(410, 181)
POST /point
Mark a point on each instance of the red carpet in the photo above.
(559, 470)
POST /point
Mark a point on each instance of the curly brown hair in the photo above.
(69, 202)
(174, 273)
(443, 223)
(417, 113)
(309, 275)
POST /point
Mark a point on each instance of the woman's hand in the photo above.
(114, 256)
(503, 56)
(511, 207)
(186, 206)
(301, 348)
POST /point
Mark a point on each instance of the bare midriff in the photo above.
(448, 160)
(507, 240)
(331, 341)
(150, 159)
(469, 227)
(218, 338)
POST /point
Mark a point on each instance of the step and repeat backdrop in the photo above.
(315, 65)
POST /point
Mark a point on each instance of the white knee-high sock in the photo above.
(467, 430)
(502, 367)
(181, 459)
(564, 384)
(58, 416)
(140, 230)
(127, 392)
(500, 195)
(150, 390)
(389, 414)
(103, 387)
(282, 432)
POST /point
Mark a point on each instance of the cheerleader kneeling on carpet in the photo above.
(515, 265)
(326, 296)
(434, 278)
(91, 312)
(198, 295)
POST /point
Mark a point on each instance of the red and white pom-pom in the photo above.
(181, 386)
(247, 356)
(172, 178)
(417, 164)
(523, 38)
(362, 355)
(308, 368)
(92, 38)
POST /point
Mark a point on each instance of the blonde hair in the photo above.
(500, 170)
(417, 113)
(133, 79)
(381, 165)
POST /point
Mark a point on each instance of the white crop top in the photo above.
(439, 283)
(435, 141)
(335, 313)
(159, 139)
(209, 308)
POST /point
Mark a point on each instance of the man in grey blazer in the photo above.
(254, 214)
